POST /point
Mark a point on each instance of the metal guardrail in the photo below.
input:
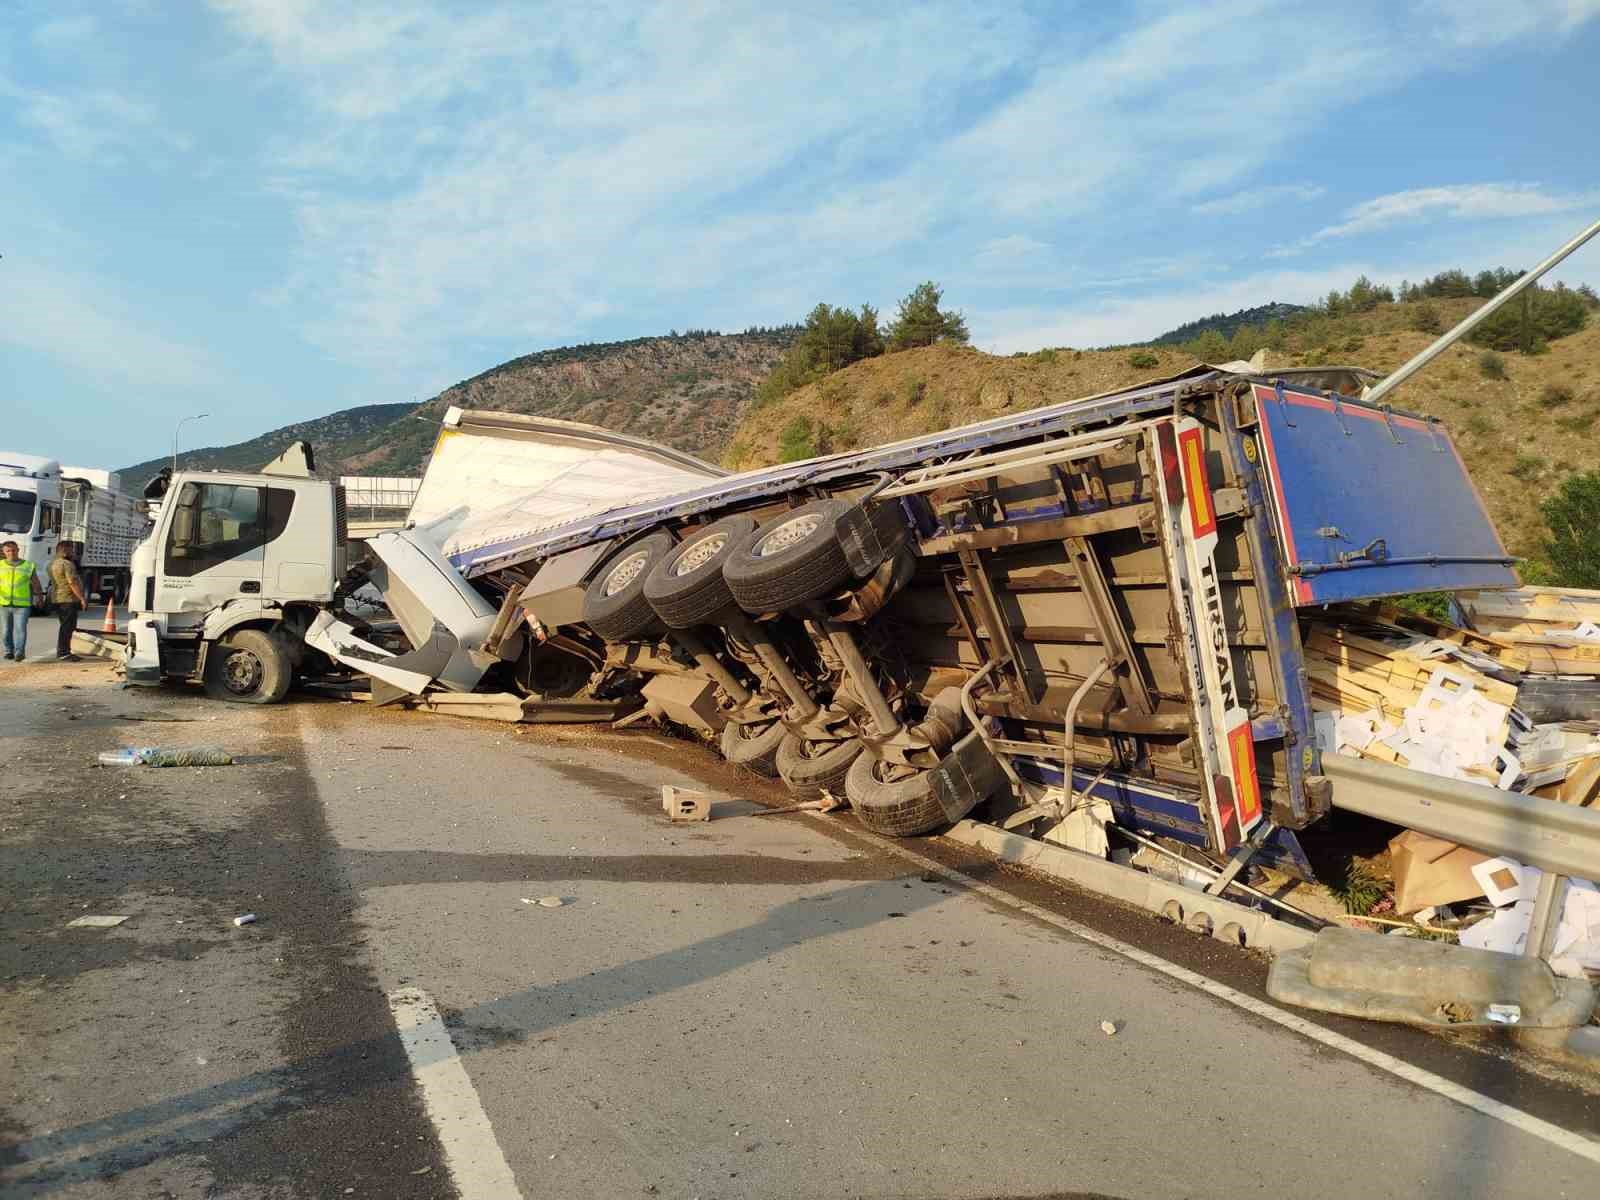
(1547, 834)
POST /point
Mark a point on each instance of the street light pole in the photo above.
(175, 428)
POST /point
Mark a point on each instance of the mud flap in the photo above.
(967, 775)
(870, 533)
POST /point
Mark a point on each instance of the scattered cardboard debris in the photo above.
(96, 922)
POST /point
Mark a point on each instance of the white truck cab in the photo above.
(30, 506)
(233, 571)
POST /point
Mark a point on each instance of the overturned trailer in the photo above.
(1093, 602)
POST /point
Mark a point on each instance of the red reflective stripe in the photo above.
(1247, 789)
(1202, 515)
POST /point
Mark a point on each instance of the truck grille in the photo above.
(341, 517)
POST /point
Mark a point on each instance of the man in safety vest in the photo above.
(19, 587)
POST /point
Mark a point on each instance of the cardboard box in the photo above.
(1429, 871)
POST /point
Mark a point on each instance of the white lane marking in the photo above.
(1567, 1139)
(476, 1162)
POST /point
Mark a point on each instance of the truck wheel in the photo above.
(810, 770)
(614, 606)
(686, 587)
(792, 558)
(251, 666)
(754, 747)
(898, 808)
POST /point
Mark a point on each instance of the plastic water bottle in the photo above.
(127, 757)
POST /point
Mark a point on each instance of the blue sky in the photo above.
(271, 209)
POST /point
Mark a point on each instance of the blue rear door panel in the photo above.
(1344, 475)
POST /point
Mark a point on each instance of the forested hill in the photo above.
(689, 390)
(326, 435)
(1228, 323)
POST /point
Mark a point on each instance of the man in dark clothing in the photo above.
(66, 598)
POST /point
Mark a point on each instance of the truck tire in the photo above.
(793, 558)
(686, 587)
(249, 666)
(808, 775)
(614, 606)
(900, 809)
(753, 747)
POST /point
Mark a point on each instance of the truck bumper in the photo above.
(142, 660)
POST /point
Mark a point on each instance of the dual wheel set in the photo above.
(722, 577)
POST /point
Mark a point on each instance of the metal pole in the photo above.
(175, 428)
(1548, 907)
(1385, 386)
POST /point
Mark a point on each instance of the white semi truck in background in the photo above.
(43, 503)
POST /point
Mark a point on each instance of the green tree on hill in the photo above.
(1573, 547)
(832, 338)
(1538, 316)
(921, 322)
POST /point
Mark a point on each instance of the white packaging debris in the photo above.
(1512, 887)
(1506, 881)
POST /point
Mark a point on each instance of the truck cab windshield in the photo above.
(16, 511)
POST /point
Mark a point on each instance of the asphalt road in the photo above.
(756, 1006)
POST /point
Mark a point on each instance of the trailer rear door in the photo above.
(1372, 503)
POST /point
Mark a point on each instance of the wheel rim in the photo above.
(699, 554)
(749, 733)
(626, 571)
(241, 672)
(791, 533)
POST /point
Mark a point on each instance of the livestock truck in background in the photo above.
(43, 503)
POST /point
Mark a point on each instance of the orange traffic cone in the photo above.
(109, 625)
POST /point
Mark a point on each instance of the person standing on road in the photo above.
(18, 588)
(66, 599)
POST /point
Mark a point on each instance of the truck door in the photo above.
(1370, 502)
(212, 550)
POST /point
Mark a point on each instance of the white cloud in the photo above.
(98, 125)
(82, 322)
(1469, 201)
(1010, 248)
(1492, 22)
(1137, 319)
(1255, 198)
(491, 175)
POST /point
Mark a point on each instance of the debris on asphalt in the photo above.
(246, 919)
(96, 922)
(681, 804)
(545, 901)
(1109, 1028)
(157, 756)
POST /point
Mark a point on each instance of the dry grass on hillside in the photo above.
(1519, 435)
